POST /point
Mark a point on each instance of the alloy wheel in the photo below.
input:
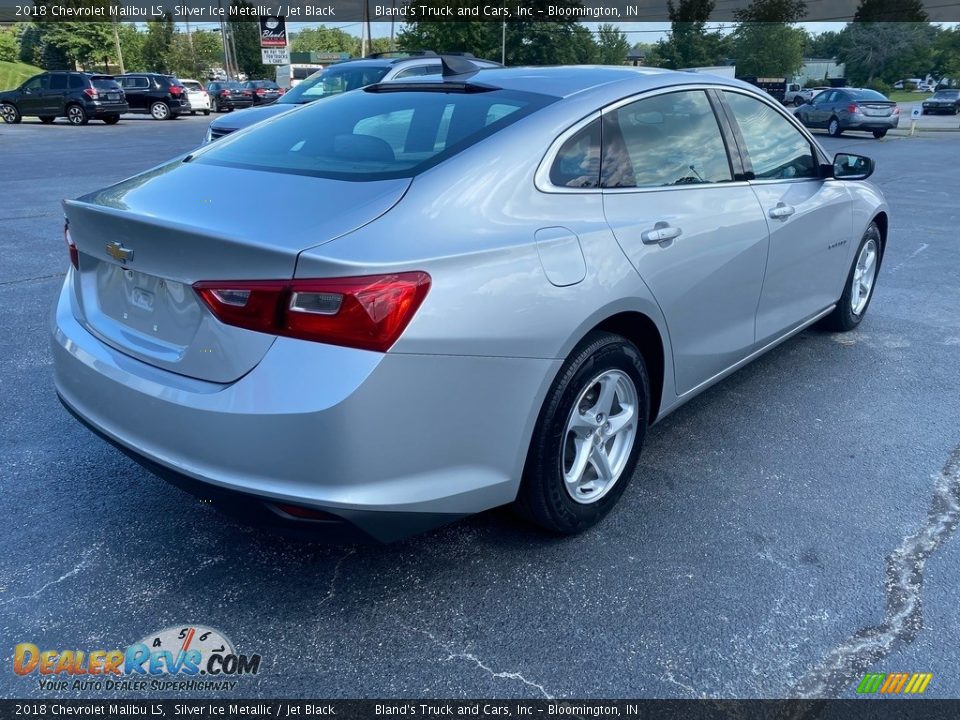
(8, 113)
(599, 436)
(76, 115)
(864, 275)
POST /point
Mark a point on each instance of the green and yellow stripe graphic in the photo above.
(894, 683)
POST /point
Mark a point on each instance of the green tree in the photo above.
(947, 53)
(480, 38)
(246, 40)
(764, 42)
(689, 43)
(325, 40)
(612, 45)
(823, 45)
(191, 55)
(887, 51)
(131, 44)
(890, 11)
(31, 43)
(9, 46)
(67, 45)
(158, 45)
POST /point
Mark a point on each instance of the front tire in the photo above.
(799, 101)
(10, 114)
(833, 128)
(160, 111)
(206, 112)
(861, 281)
(111, 119)
(588, 437)
(76, 115)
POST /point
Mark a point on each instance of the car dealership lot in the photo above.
(751, 547)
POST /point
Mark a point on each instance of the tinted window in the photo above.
(105, 83)
(823, 97)
(947, 95)
(671, 139)
(192, 86)
(34, 83)
(77, 82)
(866, 95)
(412, 72)
(776, 148)
(335, 80)
(577, 164)
(58, 81)
(374, 136)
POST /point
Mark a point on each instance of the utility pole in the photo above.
(116, 45)
(503, 43)
(223, 39)
(364, 29)
(193, 55)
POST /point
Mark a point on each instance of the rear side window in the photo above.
(77, 82)
(58, 81)
(776, 148)
(375, 135)
(577, 164)
(670, 139)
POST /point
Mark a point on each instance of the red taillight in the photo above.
(91, 93)
(247, 92)
(896, 110)
(261, 91)
(853, 108)
(176, 90)
(281, 91)
(369, 312)
(224, 93)
(71, 247)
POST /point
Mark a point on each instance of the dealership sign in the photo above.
(275, 56)
(273, 32)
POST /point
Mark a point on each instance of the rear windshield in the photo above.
(265, 84)
(231, 86)
(374, 135)
(104, 83)
(947, 94)
(191, 85)
(866, 95)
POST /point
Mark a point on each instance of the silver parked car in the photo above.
(839, 109)
(483, 288)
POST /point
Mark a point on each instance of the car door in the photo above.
(55, 96)
(817, 115)
(136, 87)
(695, 235)
(31, 95)
(809, 218)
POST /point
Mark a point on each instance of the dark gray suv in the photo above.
(77, 96)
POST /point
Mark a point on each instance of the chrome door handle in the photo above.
(782, 211)
(661, 233)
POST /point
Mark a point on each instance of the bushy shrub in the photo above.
(880, 86)
(9, 47)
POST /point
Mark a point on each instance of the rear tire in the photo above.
(587, 440)
(798, 101)
(160, 111)
(9, 113)
(111, 119)
(833, 128)
(76, 115)
(206, 112)
(858, 290)
(879, 134)
(47, 119)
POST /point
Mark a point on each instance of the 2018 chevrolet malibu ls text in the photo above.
(483, 289)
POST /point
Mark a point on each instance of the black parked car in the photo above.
(226, 95)
(76, 96)
(943, 101)
(264, 91)
(163, 96)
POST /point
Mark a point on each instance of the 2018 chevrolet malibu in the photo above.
(482, 289)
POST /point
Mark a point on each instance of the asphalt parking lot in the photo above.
(786, 532)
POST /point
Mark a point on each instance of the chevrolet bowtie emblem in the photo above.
(118, 252)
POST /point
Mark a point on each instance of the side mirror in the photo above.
(847, 166)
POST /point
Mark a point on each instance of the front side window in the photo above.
(334, 81)
(665, 140)
(34, 83)
(777, 149)
(365, 136)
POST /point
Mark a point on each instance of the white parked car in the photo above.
(198, 97)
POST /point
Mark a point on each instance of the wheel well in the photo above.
(883, 222)
(642, 332)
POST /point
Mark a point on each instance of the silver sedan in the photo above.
(477, 289)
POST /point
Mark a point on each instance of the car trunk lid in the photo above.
(876, 108)
(143, 243)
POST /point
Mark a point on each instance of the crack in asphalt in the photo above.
(903, 587)
(31, 279)
(69, 574)
(464, 655)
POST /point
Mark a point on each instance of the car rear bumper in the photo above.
(391, 444)
(865, 122)
(234, 104)
(101, 109)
